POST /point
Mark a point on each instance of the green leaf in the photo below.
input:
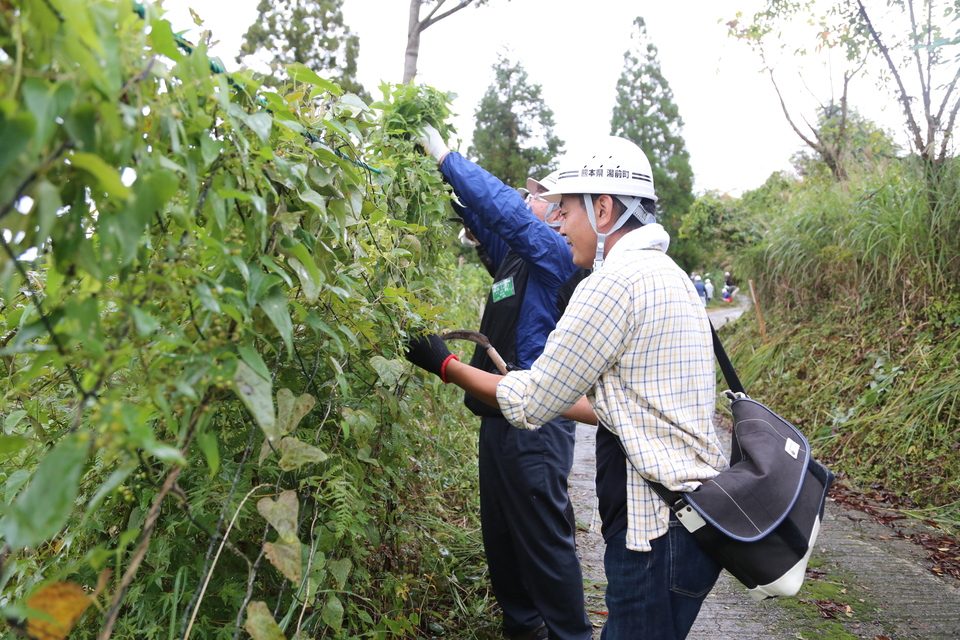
(389, 371)
(333, 613)
(290, 410)
(311, 288)
(313, 198)
(12, 444)
(260, 623)
(209, 149)
(46, 101)
(260, 123)
(340, 569)
(287, 558)
(108, 177)
(293, 125)
(163, 40)
(303, 263)
(252, 357)
(208, 445)
(48, 203)
(15, 481)
(205, 295)
(16, 133)
(12, 420)
(43, 508)
(269, 263)
(115, 480)
(146, 324)
(296, 454)
(274, 304)
(281, 514)
(361, 423)
(255, 392)
(259, 282)
(302, 73)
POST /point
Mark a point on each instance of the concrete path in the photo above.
(865, 582)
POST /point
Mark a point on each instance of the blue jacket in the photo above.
(500, 219)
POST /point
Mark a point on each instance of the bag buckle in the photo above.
(735, 396)
(688, 516)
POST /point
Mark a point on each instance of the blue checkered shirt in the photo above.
(635, 340)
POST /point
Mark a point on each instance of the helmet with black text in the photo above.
(616, 167)
(536, 189)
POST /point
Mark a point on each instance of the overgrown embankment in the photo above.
(856, 285)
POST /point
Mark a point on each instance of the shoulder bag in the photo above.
(760, 518)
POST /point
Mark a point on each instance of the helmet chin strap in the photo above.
(632, 205)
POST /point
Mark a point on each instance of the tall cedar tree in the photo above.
(646, 114)
(514, 138)
(310, 32)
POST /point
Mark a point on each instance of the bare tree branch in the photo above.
(948, 130)
(783, 105)
(430, 20)
(903, 97)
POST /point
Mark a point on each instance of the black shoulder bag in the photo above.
(760, 518)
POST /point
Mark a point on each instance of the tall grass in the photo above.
(857, 283)
(886, 234)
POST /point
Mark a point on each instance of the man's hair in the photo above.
(648, 205)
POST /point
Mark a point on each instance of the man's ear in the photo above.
(604, 212)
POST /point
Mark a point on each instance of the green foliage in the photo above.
(879, 235)
(646, 114)
(845, 139)
(857, 285)
(202, 306)
(514, 138)
(722, 226)
(307, 32)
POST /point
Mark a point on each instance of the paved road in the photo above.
(874, 584)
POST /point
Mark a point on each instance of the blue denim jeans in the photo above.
(656, 595)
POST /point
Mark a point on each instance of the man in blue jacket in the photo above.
(526, 515)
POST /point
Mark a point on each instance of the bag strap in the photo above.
(729, 374)
(673, 498)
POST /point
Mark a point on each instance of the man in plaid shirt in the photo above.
(632, 353)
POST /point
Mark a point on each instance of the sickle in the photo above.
(480, 339)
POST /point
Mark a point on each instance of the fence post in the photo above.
(756, 305)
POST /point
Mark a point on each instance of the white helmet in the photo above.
(547, 183)
(615, 167)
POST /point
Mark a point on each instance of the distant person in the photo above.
(701, 289)
(708, 286)
(727, 295)
(731, 284)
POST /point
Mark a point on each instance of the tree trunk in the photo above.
(413, 42)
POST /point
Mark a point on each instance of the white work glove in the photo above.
(433, 142)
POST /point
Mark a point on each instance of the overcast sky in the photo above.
(734, 127)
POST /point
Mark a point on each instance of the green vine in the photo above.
(204, 288)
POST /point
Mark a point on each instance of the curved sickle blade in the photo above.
(480, 339)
